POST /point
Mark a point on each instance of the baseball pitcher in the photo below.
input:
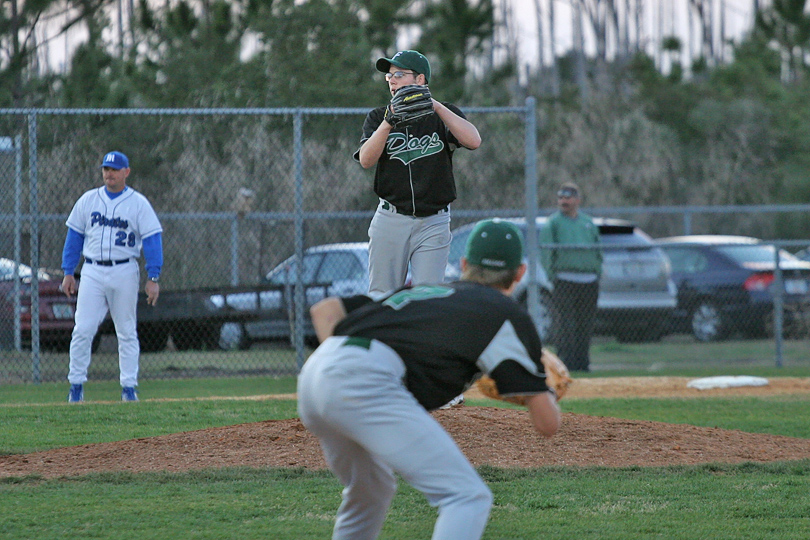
(411, 142)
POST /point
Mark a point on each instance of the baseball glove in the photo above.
(409, 104)
(557, 378)
(486, 385)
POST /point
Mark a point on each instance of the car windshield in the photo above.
(322, 267)
(761, 253)
(284, 274)
(340, 265)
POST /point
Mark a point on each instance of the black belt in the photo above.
(388, 206)
(106, 263)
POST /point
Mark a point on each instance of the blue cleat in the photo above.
(128, 393)
(76, 394)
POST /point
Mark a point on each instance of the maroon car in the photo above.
(55, 309)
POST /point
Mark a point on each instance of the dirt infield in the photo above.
(673, 387)
(510, 442)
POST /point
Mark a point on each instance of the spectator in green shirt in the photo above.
(575, 274)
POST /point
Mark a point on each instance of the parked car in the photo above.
(55, 309)
(330, 269)
(726, 284)
(636, 294)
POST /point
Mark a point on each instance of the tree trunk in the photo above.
(555, 73)
(579, 47)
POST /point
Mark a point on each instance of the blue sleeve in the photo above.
(72, 252)
(153, 251)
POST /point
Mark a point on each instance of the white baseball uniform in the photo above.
(113, 230)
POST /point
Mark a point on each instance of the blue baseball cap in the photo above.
(115, 160)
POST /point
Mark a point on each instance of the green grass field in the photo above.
(674, 355)
(747, 501)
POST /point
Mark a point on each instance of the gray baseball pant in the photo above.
(396, 240)
(370, 426)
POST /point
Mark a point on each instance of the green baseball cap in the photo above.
(413, 60)
(495, 244)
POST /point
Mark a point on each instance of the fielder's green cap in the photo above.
(413, 60)
(495, 244)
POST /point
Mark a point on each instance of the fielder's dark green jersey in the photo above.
(447, 334)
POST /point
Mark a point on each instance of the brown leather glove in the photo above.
(557, 378)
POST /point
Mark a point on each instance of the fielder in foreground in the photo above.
(108, 225)
(382, 365)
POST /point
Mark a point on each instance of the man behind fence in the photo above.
(575, 274)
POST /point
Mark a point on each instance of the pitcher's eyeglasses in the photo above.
(398, 74)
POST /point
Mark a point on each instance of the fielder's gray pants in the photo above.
(370, 427)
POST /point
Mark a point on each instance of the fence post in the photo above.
(34, 224)
(532, 299)
(778, 308)
(300, 294)
(18, 172)
(235, 250)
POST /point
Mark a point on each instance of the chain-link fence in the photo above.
(264, 212)
(241, 194)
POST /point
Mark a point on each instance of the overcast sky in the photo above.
(667, 17)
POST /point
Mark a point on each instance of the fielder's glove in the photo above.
(557, 378)
(486, 385)
(409, 104)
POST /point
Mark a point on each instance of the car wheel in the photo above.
(153, 337)
(795, 323)
(187, 337)
(708, 323)
(232, 337)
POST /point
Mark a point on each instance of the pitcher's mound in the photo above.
(487, 435)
